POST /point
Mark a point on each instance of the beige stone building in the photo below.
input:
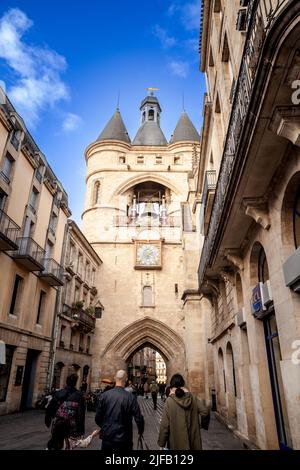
(79, 310)
(33, 215)
(138, 216)
(249, 196)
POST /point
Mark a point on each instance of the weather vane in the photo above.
(151, 90)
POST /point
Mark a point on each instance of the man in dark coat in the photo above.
(115, 411)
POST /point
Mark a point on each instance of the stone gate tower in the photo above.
(137, 216)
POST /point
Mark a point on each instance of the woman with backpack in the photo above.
(67, 410)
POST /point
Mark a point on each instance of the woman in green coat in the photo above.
(180, 424)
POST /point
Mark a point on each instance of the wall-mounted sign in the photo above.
(19, 375)
(257, 300)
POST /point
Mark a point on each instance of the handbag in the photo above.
(142, 444)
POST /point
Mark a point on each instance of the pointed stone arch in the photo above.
(122, 188)
(135, 336)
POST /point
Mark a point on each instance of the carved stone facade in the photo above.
(138, 217)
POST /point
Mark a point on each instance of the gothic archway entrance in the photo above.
(141, 334)
(147, 364)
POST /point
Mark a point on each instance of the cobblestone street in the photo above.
(26, 431)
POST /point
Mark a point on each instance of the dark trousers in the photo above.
(122, 446)
(154, 398)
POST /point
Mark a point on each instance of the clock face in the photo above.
(148, 255)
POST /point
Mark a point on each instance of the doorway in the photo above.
(29, 379)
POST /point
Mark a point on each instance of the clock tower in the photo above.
(138, 217)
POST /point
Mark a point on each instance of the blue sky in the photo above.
(64, 62)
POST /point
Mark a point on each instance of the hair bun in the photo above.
(179, 392)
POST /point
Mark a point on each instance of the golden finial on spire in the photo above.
(151, 90)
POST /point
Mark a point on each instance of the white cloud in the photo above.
(37, 69)
(71, 122)
(189, 14)
(179, 68)
(165, 40)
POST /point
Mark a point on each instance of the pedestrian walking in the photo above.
(115, 411)
(162, 388)
(180, 425)
(154, 390)
(146, 389)
(66, 412)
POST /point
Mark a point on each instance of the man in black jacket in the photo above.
(114, 415)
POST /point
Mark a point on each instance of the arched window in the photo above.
(147, 296)
(222, 377)
(263, 269)
(296, 220)
(239, 292)
(231, 367)
(144, 116)
(151, 115)
(96, 193)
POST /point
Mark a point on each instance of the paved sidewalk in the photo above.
(24, 431)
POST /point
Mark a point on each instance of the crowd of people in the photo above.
(116, 407)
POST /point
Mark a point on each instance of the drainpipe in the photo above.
(57, 309)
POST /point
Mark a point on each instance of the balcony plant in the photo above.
(79, 304)
(90, 311)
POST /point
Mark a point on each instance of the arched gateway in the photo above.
(142, 227)
(144, 333)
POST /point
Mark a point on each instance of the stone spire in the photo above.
(185, 130)
(150, 132)
(115, 129)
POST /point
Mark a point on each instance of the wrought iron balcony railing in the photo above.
(53, 272)
(9, 232)
(5, 177)
(84, 320)
(260, 17)
(210, 184)
(29, 254)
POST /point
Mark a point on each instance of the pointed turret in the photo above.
(185, 130)
(150, 132)
(115, 129)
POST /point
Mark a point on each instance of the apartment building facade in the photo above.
(249, 195)
(33, 217)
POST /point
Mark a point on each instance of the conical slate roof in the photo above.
(149, 134)
(115, 129)
(185, 130)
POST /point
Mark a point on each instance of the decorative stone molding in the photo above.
(234, 257)
(257, 209)
(228, 276)
(286, 123)
(191, 294)
(211, 287)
